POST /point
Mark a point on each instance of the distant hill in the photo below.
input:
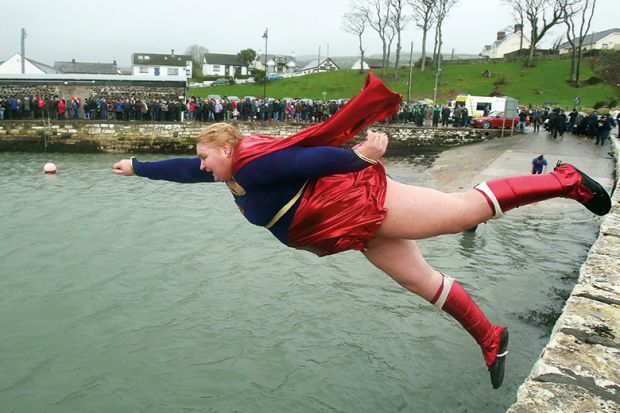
(544, 83)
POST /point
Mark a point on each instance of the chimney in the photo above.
(518, 28)
(501, 35)
(72, 60)
(172, 52)
(114, 62)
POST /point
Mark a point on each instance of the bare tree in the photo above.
(399, 22)
(441, 12)
(377, 14)
(570, 37)
(197, 52)
(355, 23)
(585, 10)
(424, 19)
(542, 15)
(390, 33)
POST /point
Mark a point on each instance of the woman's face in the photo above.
(216, 160)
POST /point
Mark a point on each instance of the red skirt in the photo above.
(340, 212)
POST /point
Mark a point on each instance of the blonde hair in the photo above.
(218, 134)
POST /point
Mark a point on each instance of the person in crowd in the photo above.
(445, 115)
(314, 196)
(605, 124)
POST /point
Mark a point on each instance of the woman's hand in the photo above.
(123, 167)
(374, 146)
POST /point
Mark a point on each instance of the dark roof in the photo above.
(86, 68)
(222, 59)
(153, 59)
(591, 38)
(45, 68)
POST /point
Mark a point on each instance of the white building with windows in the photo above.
(281, 64)
(608, 39)
(216, 64)
(508, 41)
(165, 66)
(325, 65)
(13, 66)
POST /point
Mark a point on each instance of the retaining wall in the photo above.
(155, 137)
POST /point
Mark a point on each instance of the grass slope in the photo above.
(544, 83)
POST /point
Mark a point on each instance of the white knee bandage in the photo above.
(484, 188)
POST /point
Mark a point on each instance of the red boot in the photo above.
(565, 181)
(493, 340)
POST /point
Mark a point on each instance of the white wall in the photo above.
(13, 66)
(163, 71)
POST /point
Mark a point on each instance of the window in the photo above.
(482, 105)
(156, 71)
(173, 71)
(144, 69)
(216, 68)
(605, 46)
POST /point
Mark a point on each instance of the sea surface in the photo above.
(120, 294)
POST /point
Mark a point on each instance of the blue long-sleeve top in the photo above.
(269, 181)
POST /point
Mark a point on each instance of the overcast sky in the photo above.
(103, 31)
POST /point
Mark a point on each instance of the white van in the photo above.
(475, 104)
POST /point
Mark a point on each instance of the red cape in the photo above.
(374, 103)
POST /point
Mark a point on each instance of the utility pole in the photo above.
(23, 51)
(265, 36)
(410, 72)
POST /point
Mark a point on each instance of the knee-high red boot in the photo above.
(492, 339)
(565, 181)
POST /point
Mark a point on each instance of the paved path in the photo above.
(463, 167)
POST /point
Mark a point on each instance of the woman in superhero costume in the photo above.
(313, 195)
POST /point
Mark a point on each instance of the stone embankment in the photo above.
(138, 137)
(579, 369)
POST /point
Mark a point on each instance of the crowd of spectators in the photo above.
(215, 109)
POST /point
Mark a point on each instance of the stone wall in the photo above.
(155, 137)
(579, 369)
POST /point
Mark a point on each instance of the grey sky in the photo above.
(102, 31)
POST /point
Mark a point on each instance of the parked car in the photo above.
(494, 120)
(214, 97)
(273, 76)
(221, 81)
(232, 98)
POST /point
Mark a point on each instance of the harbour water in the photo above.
(123, 294)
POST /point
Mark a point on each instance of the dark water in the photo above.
(122, 294)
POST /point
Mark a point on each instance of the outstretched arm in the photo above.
(298, 162)
(182, 170)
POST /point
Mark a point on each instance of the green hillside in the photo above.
(544, 83)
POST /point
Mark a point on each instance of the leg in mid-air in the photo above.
(417, 212)
(401, 259)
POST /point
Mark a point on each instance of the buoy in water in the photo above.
(49, 168)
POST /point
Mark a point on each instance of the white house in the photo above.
(281, 64)
(214, 64)
(326, 65)
(508, 41)
(608, 39)
(166, 66)
(13, 66)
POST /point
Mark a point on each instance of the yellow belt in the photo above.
(286, 207)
